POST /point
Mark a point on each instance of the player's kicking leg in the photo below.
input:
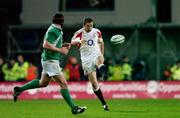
(60, 79)
(31, 85)
(97, 90)
(102, 69)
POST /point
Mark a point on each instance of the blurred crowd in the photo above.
(17, 69)
(123, 69)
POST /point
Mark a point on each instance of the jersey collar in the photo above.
(57, 26)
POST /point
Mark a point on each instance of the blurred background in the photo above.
(151, 29)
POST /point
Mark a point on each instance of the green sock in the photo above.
(30, 85)
(67, 97)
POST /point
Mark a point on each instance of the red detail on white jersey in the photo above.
(79, 35)
(99, 34)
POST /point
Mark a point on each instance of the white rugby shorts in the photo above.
(89, 64)
(51, 67)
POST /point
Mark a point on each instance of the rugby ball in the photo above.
(117, 39)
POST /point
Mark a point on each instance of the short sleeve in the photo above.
(99, 34)
(50, 37)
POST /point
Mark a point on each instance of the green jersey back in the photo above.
(54, 37)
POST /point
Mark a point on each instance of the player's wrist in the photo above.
(63, 50)
(76, 41)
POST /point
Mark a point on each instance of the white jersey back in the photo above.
(89, 48)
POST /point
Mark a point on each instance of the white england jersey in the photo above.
(90, 47)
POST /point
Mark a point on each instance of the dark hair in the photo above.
(87, 20)
(58, 18)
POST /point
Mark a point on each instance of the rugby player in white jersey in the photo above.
(91, 47)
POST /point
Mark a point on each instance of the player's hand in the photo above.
(64, 50)
(67, 45)
(83, 41)
(76, 41)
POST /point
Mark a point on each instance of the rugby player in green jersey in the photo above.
(53, 48)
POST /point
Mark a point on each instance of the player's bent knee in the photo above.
(43, 84)
(100, 60)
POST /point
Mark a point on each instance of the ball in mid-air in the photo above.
(117, 39)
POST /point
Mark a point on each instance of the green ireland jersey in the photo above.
(54, 37)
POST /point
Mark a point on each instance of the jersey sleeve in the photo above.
(100, 39)
(77, 34)
(99, 34)
(50, 37)
(51, 34)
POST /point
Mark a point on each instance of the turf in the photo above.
(119, 108)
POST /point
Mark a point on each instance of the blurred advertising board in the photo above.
(111, 90)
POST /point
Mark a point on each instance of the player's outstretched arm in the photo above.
(76, 41)
(49, 46)
(101, 44)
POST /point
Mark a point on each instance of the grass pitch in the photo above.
(119, 108)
